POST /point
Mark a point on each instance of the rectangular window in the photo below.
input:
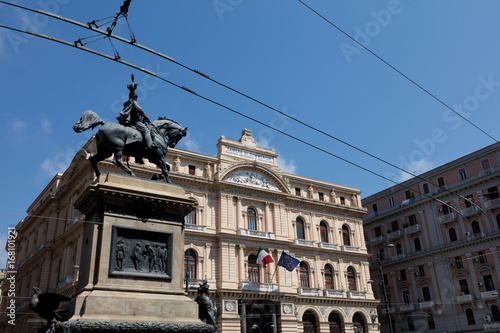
(469, 199)
(426, 293)
(192, 170)
(406, 297)
(482, 257)
(462, 174)
(421, 270)
(394, 225)
(297, 191)
(402, 274)
(485, 164)
(321, 196)
(412, 219)
(464, 287)
(446, 209)
(378, 231)
(488, 282)
(342, 200)
(391, 201)
(375, 208)
(458, 262)
(440, 182)
(408, 195)
(386, 280)
(492, 193)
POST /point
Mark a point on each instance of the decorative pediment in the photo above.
(252, 175)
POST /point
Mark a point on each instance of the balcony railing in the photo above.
(470, 211)
(406, 307)
(257, 233)
(330, 246)
(193, 283)
(334, 293)
(426, 305)
(395, 234)
(357, 294)
(349, 248)
(309, 291)
(196, 227)
(448, 218)
(305, 242)
(259, 286)
(412, 229)
(492, 203)
(489, 294)
(465, 299)
(378, 239)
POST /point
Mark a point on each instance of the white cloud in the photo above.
(45, 125)
(415, 168)
(287, 166)
(59, 163)
(18, 125)
(190, 144)
(3, 253)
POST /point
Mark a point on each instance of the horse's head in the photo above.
(174, 138)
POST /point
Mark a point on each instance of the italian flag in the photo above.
(263, 258)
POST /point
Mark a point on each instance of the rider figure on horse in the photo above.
(133, 114)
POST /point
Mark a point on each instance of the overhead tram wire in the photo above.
(222, 106)
(108, 33)
(397, 70)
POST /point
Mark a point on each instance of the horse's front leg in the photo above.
(117, 160)
(164, 168)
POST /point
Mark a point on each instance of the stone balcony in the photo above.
(305, 242)
(257, 233)
(492, 203)
(406, 307)
(349, 248)
(465, 299)
(309, 291)
(448, 218)
(330, 246)
(426, 305)
(259, 286)
(357, 294)
(395, 234)
(196, 227)
(413, 229)
(492, 294)
(470, 211)
(334, 293)
(378, 239)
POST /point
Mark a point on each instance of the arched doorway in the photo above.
(358, 323)
(309, 322)
(335, 323)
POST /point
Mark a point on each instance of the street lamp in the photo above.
(382, 282)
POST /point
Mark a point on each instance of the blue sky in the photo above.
(278, 52)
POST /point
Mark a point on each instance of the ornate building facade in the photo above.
(441, 271)
(244, 202)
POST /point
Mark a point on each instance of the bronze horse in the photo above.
(118, 140)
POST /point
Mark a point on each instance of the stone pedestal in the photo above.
(132, 264)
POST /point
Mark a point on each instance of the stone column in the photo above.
(239, 223)
(243, 317)
(241, 263)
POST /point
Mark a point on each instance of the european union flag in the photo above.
(288, 261)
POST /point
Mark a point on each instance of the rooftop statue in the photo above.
(132, 137)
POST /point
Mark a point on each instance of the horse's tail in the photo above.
(89, 119)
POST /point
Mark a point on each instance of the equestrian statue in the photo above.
(135, 135)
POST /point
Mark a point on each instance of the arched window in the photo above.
(416, 242)
(323, 230)
(345, 235)
(190, 264)
(253, 269)
(470, 317)
(495, 312)
(399, 248)
(358, 323)
(351, 279)
(191, 217)
(475, 227)
(251, 219)
(300, 228)
(335, 323)
(309, 322)
(329, 278)
(304, 275)
(453, 234)
(430, 321)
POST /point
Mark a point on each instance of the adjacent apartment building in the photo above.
(435, 240)
(245, 201)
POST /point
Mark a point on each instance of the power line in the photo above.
(397, 70)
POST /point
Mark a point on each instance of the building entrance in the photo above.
(259, 316)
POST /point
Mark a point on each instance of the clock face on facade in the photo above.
(230, 306)
(287, 308)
